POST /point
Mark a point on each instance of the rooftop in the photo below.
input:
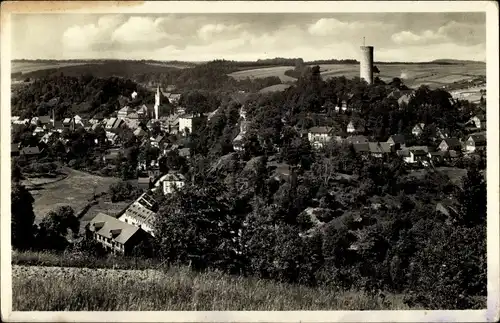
(320, 130)
(105, 225)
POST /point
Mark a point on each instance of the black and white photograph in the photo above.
(250, 156)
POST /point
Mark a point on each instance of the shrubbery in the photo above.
(123, 191)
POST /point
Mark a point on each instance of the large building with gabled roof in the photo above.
(115, 235)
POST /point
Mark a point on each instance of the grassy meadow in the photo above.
(75, 190)
(278, 71)
(50, 288)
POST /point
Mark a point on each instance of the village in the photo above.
(134, 224)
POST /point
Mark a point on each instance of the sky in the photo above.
(249, 36)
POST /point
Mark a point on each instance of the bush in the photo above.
(123, 191)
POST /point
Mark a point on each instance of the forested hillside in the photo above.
(70, 95)
(211, 76)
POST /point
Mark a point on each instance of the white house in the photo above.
(475, 142)
(170, 181)
(38, 131)
(320, 134)
(355, 127)
(411, 156)
(479, 121)
(141, 214)
(186, 122)
(238, 142)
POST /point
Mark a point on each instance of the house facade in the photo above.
(479, 121)
(320, 135)
(475, 142)
(418, 129)
(141, 214)
(114, 235)
(170, 182)
(397, 141)
(450, 144)
(355, 127)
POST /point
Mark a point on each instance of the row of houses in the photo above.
(136, 223)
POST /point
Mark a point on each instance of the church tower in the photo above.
(157, 103)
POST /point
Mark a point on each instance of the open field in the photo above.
(37, 288)
(414, 75)
(275, 88)
(75, 190)
(264, 72)
(98, 69)
(27, 67)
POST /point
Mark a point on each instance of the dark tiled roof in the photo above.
(44, 119)
(361, 147)
(397, 139)
(478, 138)
(452, 142)
(356, 140)
(320, 130)
(30, 151)
(379, 147)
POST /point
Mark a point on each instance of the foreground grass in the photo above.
(50, 288)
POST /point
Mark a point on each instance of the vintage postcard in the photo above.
(249, 161)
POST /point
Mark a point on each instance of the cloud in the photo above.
(452, 32)
(205, 37)
(464, 33)
(81, 37)
(332, 26)
(425, 37)
(209, 31)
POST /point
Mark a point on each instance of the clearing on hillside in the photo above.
(275, 88)
(278, 71)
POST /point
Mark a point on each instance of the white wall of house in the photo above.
(476, 122)
(186, 123)
(470, 146)
(324, 137)
(135, 222)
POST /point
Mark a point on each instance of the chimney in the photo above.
(53, 117)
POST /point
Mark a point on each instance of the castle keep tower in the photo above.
(366, 64)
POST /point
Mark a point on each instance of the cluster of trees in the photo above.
(244, 221)
(54, 232)
(123, 191)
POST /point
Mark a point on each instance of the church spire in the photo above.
(157, 103)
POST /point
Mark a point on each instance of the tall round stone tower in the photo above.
(366, 64)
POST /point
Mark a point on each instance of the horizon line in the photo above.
(436, 60)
